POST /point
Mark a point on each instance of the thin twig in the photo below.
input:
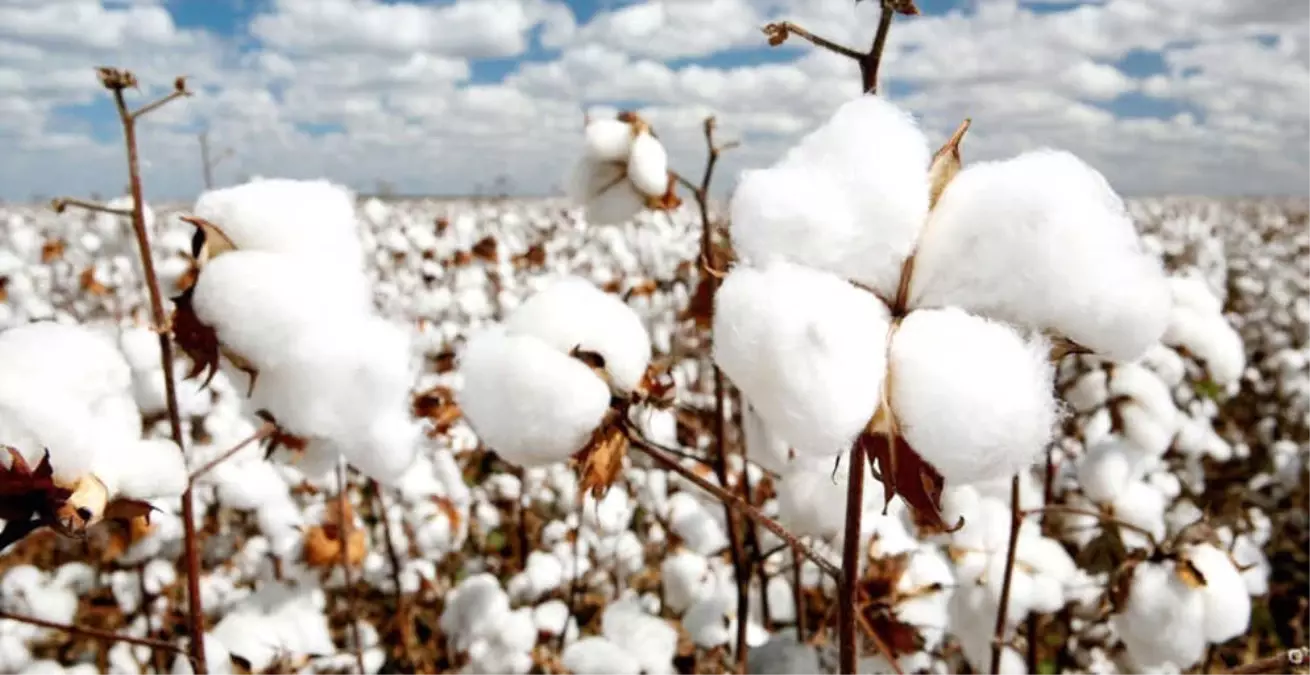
(155, 105)
(798, 597)
(93, 633)
(393, 558)
(848, 654)
(345, 525)
(870, 62)
(1016, 520)
(664, 459)
(61, 203)
(1103, 518)
(780, 31)
(264, 431)
(1280, 663)
(116, 81)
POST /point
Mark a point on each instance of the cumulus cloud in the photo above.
(1191, 96)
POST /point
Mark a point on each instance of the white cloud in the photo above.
(397, 80)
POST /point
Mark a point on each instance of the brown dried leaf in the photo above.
(124, 535)
(905, 473)
(441, 224)
(777, 33)
(52, 250)
(89, 283)
(437, 404)
(1189, 573)
(4, 289)
(486, 249)
(945, 164)
(128, 510)
(198, 341)
(533, 258)
(667, 201)
(700, 307)
(209, 241)
(602, 461)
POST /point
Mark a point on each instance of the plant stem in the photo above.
(848, 655)
(264, 431)
(1016, 519)
(93, 633)
(393, 557)
(670, 463)
(345, 525)
(61, 203)
(191, 550)
(870, 61)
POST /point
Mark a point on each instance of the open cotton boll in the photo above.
(1147, 389)
(650, 639)
(314, 218)
(1162, 621)
(1043, 241)
(34, 420)
(607, 139)
(806, 348)
(972, 397)
(82, 363)
(648, 165)
(686, 576)
(606, 194)
(152, 468)
(1106, 468)
(1227, 603)
(474, 610)
(805, 503)
(764, 447)
(597, 655)
(850, 198)
(572, 312)
(259, 303)
(528, 402)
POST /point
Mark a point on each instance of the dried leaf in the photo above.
(602, 460)
(879, 595)
(438, 405)
(123, 535)
(534, 257)
(89, 283)
(209, 241)
(667, 201)
(198, 341)
(52, 250)
(128, 510)
(700, 307)
(905, 473)
(4, 289)
(1189, 573)
(945, 164)
(486, 249)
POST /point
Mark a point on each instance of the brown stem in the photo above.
(1280, 663)
(191, 551)
(393, 558)
(264, 431)
(61, 203)
(1016, 519)
(155, 105)
(870, 61)
(670, 463)
(346, 524)
(93, 633)
(798, 598)
(1073, 510)
(779, 32)
(848, 654)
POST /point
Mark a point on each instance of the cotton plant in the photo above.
(71, 434)
(554, 381)
(281, 303)
(624, 169)
(887, 296)
(631, 641)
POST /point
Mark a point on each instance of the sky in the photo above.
(451, 97)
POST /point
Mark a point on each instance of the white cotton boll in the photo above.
(528, 402)
(605, 193)
(699, 529)
(686, 578)
(1089, 391)
(1227, 604)
(542, 574)
(1162, 621)
(386, 449)
(572, 312)
(972, 397)
(1105, 469)
(1147, 389)
(1166, 363)
(80, 362)
(1043, 241)
(764, 447)
(1141, 505)
(599, 656)
(260, 303)
(648, 165)
(296, 217)
(473, 610)
(806, 348)
(651, 640)
(152, 468)
(608, 140)
(849, 199)
(1149, 432)
(34, 420)
(709, 618)
(610, 514)
(806, 504)
(217, 659)
(551, 616)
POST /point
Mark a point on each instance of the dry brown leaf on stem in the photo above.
(879, 596)
(601, 462)
(905, 473)
(486, 249)
(87, 280)
(123, 535)
(281, 438)
(198, 341)
(700, 307)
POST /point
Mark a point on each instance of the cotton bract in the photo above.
(825, 323)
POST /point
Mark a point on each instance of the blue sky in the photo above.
(1110, 78)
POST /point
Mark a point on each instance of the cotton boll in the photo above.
(805, 503)
(691, 520)
(1227, 604)
(650, 639)
(80, 362)
(314, 218)
(1162, 620)
(1105, 469)
(259, 303)
(867, 165)
(528, 402)
(608, 140)
(144, 470)
(572, 313)
(599, 656)
(805, 348)
(972, 397)
(686, 578)
(648, 165)
(608, 197)
(473, 610)
(1043, 241)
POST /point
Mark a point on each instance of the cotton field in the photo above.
(1186, 467)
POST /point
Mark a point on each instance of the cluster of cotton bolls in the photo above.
(541, 323)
